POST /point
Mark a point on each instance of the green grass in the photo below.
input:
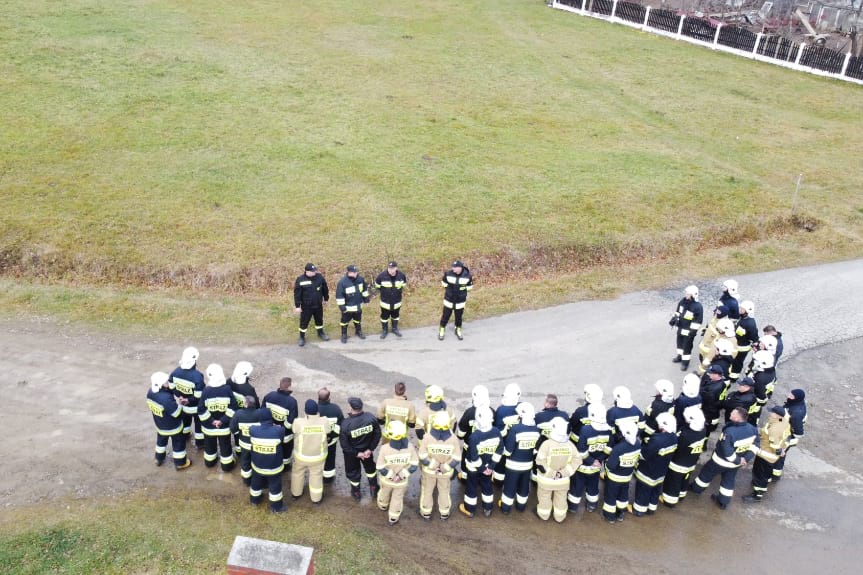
(175, 533)
(214, 147)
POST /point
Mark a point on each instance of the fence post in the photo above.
(680, 27)
(613, 10)
(716, 36)
(646, 18)
(845, 64)
(757, 43)
(799, 54)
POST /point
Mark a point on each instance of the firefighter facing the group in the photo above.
(439, 453)
(351, 293)
(390, 283)
(168, 417)
(396, 461)
(457, 282)
(556, 461)
(310, 294)
(687, 318)
(311, 435)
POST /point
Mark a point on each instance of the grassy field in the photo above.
(166, 162)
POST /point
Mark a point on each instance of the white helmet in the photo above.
(694, 417)
(215, 375)
(730, 286)
(725, 326)
(596, 413)
(511, 394)
(691, 385)
(480, 396)
(242, 371)
(723, 347)
(483, 418)
(629, 431)
(157, 380)
(559, 430)
(692, 291)
(189, 358)
(666, 422)
(622, 397)
(763, 360)
(526, 413)
(592, 393)
(748, 307)
(665, 389)
(770, 343)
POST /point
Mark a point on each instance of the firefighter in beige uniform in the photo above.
(707, 351)
(556, 461)
(396, 461)
(396, 408)
(439, 454)
(434, 403)
(311, 435)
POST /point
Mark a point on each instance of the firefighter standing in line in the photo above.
(556, 461)
(774, 442)
(618, 472)
(764, 379)
(439, 453)
(690, 446)
(334, 416)
(730, 299)
(396, 461)
(732, 451)
(594, 447)
(743, 398)
(747, 336)
(795, 405)
(241, 388)
(519, 449)
(725, 333)
(653, 463)
(687, 318)
(543, 420)
(215, 410)
(311, 435)
(396, 408)
(482, 446)
(467, 423)
(457, 282)
(359, 436)
(713, 390)
(244, 418)
(285, 410)
(505, 416)
(267, 441)
(390, 283)
(709, 335)
(351, 293)
(434, 399)
(592, 394)
(188, 383)
(690, 394)
(168, 417)
(310, 294)
(621, 412)
(663, 402)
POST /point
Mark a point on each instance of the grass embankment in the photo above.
(182, 533)
(158, 157)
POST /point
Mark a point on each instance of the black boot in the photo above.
(344, 334)
(396, 331)
(302, 340)
(677, 359)
(684, 365)
(360, 333)
(323, 335)
(383, 331)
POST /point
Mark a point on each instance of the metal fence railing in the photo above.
(713, 34)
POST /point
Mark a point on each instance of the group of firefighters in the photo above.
(513, 445)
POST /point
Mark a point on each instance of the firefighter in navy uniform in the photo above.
(550, 412)
(519, 448)
(592, 394)
(467, 423)
(621, 412)
(687, 318)
(774, 441)
(743, 398)
(482, 447)
(457, 282)
(188, 383)
(653, 463)
(244, 418)
(242, 388)
(663, 402)
(747, 336)
(764, 380)
(795, 405)
(310, 294)
(351, 293)
(714, 388)
(215, 410)
(268, 460)
(359, 436)
(730, 299)
(390, 283)
(168, 417)
(732, 451)
(690, 394)
(505, 416)
(334, 416)
(594, 447)
(285, 410)
(618, 472)
(690, 445)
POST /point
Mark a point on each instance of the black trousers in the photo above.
(274, 487)
(190, 420)
(306, 314)
(330, 463)
(447, 312)
(354, 464)
(386, 314)
(218, 447)
(178, 446)
(684, 344)
(351, 316)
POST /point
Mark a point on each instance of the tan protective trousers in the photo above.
(548, 499)
(316, 478)
(392, 499)
(429, 482)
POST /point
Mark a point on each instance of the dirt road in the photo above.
(76, 423)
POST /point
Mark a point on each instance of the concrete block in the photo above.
(251, 556)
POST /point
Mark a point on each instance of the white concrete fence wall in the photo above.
(714, 45)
